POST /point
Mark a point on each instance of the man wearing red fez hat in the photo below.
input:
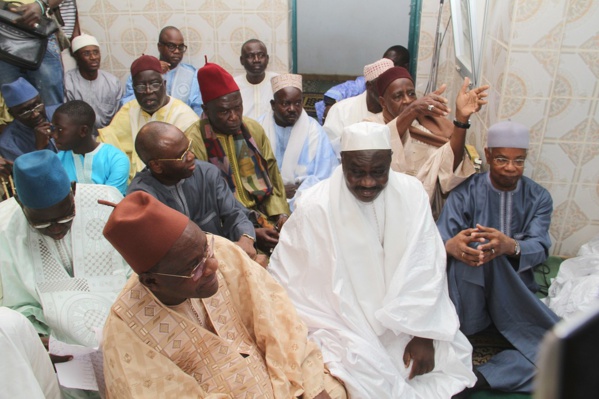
(151, 104)
(425, 144)
(200, 319)
(241, 150)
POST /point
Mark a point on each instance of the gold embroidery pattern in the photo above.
(227, 361)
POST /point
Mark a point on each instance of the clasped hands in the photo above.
(488, 243)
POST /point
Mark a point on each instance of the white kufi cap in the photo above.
(364, 136)
(82, 41)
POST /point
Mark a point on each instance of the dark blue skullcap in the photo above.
(40, 179)
(18, 92)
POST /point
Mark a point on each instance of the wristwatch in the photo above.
(461, 125)
(516, 248)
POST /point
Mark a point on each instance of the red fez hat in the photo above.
(389, 76)
(146, 63)
(143, 230)
(215, 82)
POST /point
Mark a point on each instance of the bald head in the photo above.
(155, 139)
(166, 31)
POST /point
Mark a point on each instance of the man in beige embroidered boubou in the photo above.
(425, 143)
(200, 319)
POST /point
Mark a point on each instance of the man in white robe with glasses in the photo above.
(56, 268)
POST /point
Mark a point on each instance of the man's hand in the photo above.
(469, 102)
(422, 353)
(281, 221)
(165, 66)
(290, 190)
(459, 247)
(266, 239)
(422, 106)
(493, 243)
(54, 358)
(31, 14)
(247, 244)
(43, 132)
(496, 243)
(5, 168)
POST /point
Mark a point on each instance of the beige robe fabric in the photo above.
(433, 166)
(259, 348)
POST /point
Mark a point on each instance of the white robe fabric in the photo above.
(25, 368)
(256, 98)
(366, 278)
(344, 113)
(64, 287)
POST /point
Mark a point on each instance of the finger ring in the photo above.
(493, 251)
(48, 131)
(430, 107)
(463, 253)
(36, 25)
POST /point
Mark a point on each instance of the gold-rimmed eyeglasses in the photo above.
(198, 270)
(182, 158)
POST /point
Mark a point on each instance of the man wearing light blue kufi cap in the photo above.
(495, 227)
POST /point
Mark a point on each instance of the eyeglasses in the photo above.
(152, 87)
(172, 47)
(64, 220)
(182, 158)
(28, 113)
(197, 271)
(501, 161)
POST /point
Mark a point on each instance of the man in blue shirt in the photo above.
(495, 227)
(31, 129)
(181, 81)
(84, 159)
